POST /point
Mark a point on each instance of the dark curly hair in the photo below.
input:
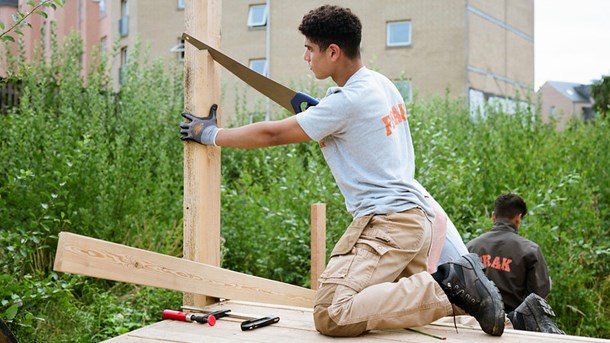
(509, 205)
(329, 24)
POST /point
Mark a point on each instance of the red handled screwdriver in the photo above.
(189, 317)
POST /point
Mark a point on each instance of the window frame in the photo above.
(263, 21)
(104, 44)
(394, 23)
(103, 5)
(265, 65)
(179, 49)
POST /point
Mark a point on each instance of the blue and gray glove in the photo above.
(198, 129)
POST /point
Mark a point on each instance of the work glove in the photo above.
(198, 129)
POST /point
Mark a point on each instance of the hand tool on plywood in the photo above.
(210, 319)
(293, 101)
(228, 313)
(250, 322)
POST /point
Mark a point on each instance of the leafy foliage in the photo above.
(76, 156)
(600, 90)
(564, 178)
(19, 18)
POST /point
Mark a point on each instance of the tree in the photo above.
(600, 90)
(19, 17)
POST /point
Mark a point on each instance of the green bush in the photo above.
(563, 176)
(78, 157)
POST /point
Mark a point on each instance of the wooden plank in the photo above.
(318, 242)
(201, 205)
(97, 258)
(296, 325)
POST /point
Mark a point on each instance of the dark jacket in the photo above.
(515, 264)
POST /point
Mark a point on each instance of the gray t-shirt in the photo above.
(363, 131)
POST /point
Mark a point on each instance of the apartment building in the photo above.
(480, 50)
(105, 24)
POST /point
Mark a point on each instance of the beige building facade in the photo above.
(474, 49)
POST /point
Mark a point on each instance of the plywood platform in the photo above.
(296, 325)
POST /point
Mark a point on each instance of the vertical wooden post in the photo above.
(201, 163)
(318, 242)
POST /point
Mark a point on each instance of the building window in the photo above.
(257, 16)
(124, 20)
(104, 45)
(399, 33)
(179, 49)
(122, 68)
(181, 4)
(123, 56)
(552, 112)
(259, 65)
(103, 8)
(124, 8)
(404, 87)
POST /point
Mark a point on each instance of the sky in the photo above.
(572, 40)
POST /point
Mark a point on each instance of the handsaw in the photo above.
(293, 101)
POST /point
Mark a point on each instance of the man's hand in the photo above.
(201, 130)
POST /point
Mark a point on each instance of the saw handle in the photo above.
(301, 101)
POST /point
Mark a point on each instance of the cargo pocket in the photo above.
(343, 254)
(368, 254)
(351, 235)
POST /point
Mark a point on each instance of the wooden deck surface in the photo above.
(296, 325)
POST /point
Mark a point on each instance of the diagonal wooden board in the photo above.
(106, 260)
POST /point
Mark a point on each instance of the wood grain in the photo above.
(201, 204)
(97, 258)
(318, 242)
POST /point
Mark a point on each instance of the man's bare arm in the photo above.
(263, 134)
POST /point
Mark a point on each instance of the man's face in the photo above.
(319, 61)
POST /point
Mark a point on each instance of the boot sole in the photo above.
(496, 298)
(543, 314)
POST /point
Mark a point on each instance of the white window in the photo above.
(399, 33)
(257, 16)
(103, 8)
(181, 4)
(179, 49)
(404, 87)
(259, 65)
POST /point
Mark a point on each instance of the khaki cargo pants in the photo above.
(376, 277)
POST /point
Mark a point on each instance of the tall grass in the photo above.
(76, 156)
(563, 176)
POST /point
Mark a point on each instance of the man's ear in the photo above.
(493, 217)
(518, 218)
(335, 52)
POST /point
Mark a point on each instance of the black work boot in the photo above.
(466, 286)
(534, 314)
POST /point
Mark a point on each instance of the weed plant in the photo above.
(77, 156)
